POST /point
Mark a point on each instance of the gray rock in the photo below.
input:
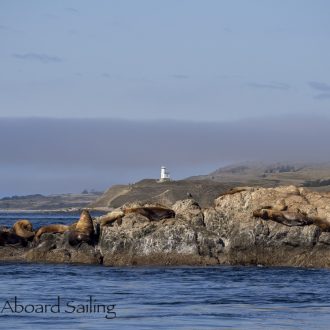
(227, 233)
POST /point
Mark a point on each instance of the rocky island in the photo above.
(281, 226)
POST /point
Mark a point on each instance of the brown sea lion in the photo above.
(57, 228)
(23, 228)
(76, 238)
(153, 213)
(85, 223)
(286, 218)
(83, 231)
(110, 218)
(233, 191)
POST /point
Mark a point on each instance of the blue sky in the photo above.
(175, 59)
(163, 64)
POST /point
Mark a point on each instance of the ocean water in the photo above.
(37, 296)
(39, 219)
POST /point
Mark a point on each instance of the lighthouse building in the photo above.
(164, 174)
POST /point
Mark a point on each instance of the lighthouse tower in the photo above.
(164, 174)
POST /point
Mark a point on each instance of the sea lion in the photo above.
(85, 223)
(233, 191)
(83, 231)
(23, 228)
(153, 213)
(110, 218)
(76, 238)
(9, 238)
(57, 228)
(286, 218)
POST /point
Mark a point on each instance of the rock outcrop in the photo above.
(283, 226)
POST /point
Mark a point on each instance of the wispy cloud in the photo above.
(72, 10)
(271, 85)
(180, 76)
(3, 27)
(43, 58)
(319, 86)
(106, 75)
(322, 96)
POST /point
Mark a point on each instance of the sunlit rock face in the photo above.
(283, 226)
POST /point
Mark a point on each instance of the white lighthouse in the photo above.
(164, 174)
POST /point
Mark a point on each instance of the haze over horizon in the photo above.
(192, 85)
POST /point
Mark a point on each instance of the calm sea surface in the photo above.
(98, 297)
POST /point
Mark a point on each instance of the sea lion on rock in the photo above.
(233, 191)
(286, 218)
(57, 228)
(76, 238)
(7, 237)
(110, 218)
(23, 228)
(85, 223)
(153, 213)
(83, 231)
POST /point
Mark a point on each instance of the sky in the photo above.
(133, 85)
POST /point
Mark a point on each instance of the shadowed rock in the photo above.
(10, 238)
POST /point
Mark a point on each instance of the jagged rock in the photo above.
(157, 243)
(55, 248)
(231, 232)
(189, 210)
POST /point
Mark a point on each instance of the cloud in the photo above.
(3, 27)
(180, 76)
(322, 96)
(319, 86)
(68, 153)
(43, 58)
(271, 85)
(106, 75)
(72, 10)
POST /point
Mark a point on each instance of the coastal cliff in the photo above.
(283, 226)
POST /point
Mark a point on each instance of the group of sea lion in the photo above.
(280, 213)
(291, 218)
(79, 232)
(22, 232)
